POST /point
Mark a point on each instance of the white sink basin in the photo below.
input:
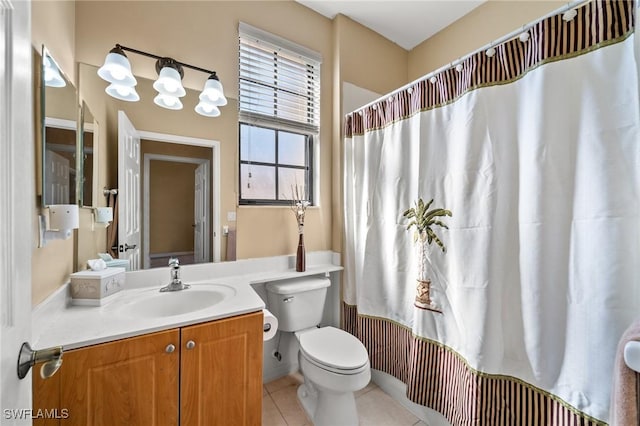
(149, 304)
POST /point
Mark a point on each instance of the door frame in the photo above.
(214, 174)
(18, 190)
(147, 158)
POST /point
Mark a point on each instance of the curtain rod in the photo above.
(513, 34)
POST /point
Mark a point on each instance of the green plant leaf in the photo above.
(437, 222)
(423, 219)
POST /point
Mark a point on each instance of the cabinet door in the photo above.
(46, 398)
(128, 382)
(221, 372)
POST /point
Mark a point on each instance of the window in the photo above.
(279, 99)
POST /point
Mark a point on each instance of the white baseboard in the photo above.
(397, 390)
(276, 372)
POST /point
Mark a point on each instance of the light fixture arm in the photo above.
(151, 55)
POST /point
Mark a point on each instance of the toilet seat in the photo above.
(334, 350)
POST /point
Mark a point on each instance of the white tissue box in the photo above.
(91, 288)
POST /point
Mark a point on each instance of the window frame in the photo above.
(309, 128)
(308, 167)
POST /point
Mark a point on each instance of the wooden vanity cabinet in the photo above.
(212, 375)
(221, 376)
(127, 382)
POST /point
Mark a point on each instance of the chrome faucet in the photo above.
(176, 283)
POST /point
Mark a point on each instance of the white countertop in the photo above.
(56, 322)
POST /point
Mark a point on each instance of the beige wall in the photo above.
(367, 60)
(171, 185)
(92, 239)
(52, 24)
(484, 24)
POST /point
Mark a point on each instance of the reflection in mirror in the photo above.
(174, 215)
(89, 157)
(59, 134)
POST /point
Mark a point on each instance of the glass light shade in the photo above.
(207, 109)
(124, 93)
(213, 93)
(52, 78)
(168, 102)
(117, 69)
(169, 83)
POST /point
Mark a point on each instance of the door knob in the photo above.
(127, 247)
(51, 357)
(170, 348)
(191, 344)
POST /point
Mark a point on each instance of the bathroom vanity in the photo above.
(190, 357)
(203, 374)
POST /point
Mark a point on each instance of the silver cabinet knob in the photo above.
(170, 348)
(191, 344)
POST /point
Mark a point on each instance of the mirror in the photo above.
(89, 157)
(59, 134)
(168, 223)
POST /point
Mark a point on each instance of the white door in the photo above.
(201, 215)
(17, 192)
(56, 179)
(128, 192)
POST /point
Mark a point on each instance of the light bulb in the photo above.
(170, 86)
(123, 90)
(117, 74)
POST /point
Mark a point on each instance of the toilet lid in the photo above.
(334, 348)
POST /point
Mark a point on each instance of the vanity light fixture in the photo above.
(117, 71)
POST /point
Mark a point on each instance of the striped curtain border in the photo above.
(440, 378)
(599, 23)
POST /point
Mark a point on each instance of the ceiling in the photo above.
(405, 22)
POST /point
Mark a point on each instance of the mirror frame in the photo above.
(43, 130)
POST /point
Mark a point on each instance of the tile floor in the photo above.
(280, 406)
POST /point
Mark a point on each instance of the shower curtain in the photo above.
(536, 151)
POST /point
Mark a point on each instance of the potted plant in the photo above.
(423, 220)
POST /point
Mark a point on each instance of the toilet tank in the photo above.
(297, 303)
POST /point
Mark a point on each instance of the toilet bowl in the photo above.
(334, 364)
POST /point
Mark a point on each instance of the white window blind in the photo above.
(279, 81)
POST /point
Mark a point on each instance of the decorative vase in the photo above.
(301, 255)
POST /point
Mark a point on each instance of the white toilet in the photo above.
(334, 363)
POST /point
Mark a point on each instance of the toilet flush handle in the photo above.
(288, 299)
